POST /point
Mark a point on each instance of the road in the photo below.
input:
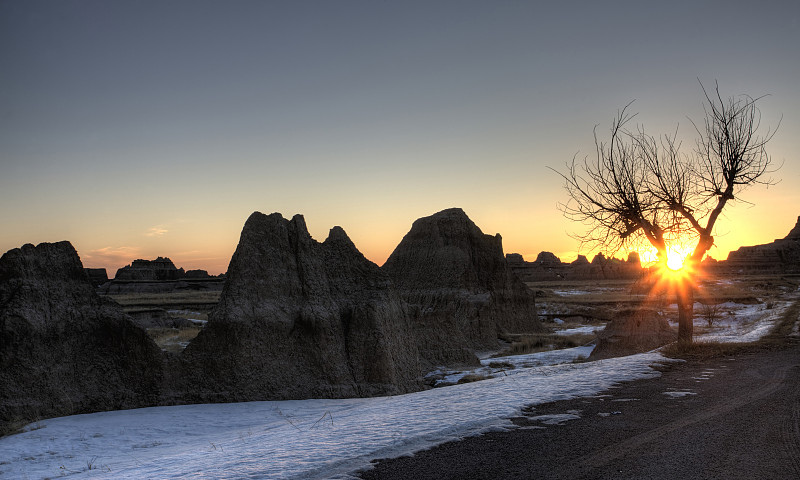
(732, 417)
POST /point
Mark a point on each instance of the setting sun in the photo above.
(676, 256)
(675, 261)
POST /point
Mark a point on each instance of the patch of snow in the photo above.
(558, 321)
(555, 418)
(678, 394)
(585, 330)
(513, 364)
(566, 293)
(310, 439)
(539, 359)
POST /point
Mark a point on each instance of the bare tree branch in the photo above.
(642, 189)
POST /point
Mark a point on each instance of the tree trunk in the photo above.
(685, 310)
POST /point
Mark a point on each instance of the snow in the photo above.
(555, 418)
(324, 438)
(584, 330)
(679, 394)
(514, 364)
(189, 315)
(745, 323)
(311, 439)
(608, 414)
(566, 293)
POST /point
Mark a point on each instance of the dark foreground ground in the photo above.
(740, 420)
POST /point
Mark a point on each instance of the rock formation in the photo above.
(159, 276)
(549, 267)
(64, 349)
(301, 319)
(633, 331)
(97, 276)
(195, 274)
(581, 260)
(548, 259)
(780, 256)
(460, 291)
(161, 268)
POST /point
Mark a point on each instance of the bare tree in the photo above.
(640, 189)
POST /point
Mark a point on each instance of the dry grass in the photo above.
(167, 299)
(501, 365)
(20, 425)
(189, 314)
(472, 377)
(579, 284)
(173, 340)
(596, 292)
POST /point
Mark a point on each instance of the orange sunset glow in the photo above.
(184, 141)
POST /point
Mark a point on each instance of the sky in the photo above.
(155, 128)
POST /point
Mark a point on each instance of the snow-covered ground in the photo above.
(741, 323)
(567, 293)
(294, 439)
(325, 438)
(584, 330)
(514, 364)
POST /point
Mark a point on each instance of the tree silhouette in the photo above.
(640, 189)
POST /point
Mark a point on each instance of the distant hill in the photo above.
(780, 256)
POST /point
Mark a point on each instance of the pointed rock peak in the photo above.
(581, 260)
(337, 235)
(339, 241)
(300, 222)
(794, 234)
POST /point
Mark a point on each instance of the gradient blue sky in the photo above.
(145, 128)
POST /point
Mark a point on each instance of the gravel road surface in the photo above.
(726, 418)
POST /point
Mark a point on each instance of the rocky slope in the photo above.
(64, 349)
(460, 291)
(780, 256)
(633, 331)
(300, 319)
